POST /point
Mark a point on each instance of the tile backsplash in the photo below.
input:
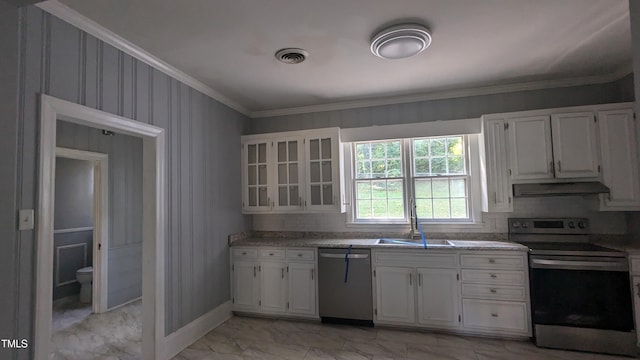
(602, 222)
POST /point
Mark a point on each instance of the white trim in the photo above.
(124, 304)
(100, 287)
(412, 130)
(153, 301)
(446, 94)
(196, 329)
(84, 261)
(72, 230)
(67, 14)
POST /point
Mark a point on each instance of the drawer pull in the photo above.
(283, 273)
(493, 291)
(493, 276)
(299, 255)
(244, 253)
(270, 254)
(492, 261)
(494, 315)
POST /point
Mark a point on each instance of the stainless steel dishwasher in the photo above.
(344, 286)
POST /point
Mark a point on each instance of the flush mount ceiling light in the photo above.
(291, 55)
(400, 41)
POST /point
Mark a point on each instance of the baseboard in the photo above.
(123, 304)
(190, 333)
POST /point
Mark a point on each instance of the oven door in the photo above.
(581, 291)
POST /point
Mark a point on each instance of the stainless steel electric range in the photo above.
(580, 292)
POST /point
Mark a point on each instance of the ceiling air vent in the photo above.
(291, 55)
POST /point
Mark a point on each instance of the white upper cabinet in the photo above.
(619, 160)
(497, 190)
(530, 144)
(290, 172)
(575, 148)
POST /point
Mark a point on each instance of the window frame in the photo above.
(473, 176)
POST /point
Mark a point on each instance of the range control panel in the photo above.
(549, 226)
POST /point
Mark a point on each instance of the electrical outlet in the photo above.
(25, 222)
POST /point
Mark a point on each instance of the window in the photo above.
(379, 183)
(432, 171)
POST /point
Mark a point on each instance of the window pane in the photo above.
(251, 154)
(454, 146)
(458, 188)
(363, 151)
(393, 149)
(395, 189)
(396, 209)
(314, 169)
(379, 189)
(422, 167)
(441, 209)
(293, 151)
(364, 169)
(378, 151)
(437, 147)
(294, 196)
(262, 196)
(282, 196)
(282, 174)
(456, 165)
(326, 148)
(293, 173)
(282, 151)
(424, 209)
(459, 208)
(423, 188)
(326, 171)
(379, 208)
(421, 148)
(262, 174)
(252, 174)
(439, 165)
(315, 195)
(262, 153)
(441, 188)
(327, 195)
(364, 209)
(363, 190)
(394, 168)
(314, 152)
(378, 168)
(253, 196)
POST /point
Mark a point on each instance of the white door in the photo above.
(395, 295)
(530, 148)
(322, 172)
(273, 286)
(302, 288)
(575, 148)
(438, 297)
(255, 176)
(619, 160)
(499, 190)
(245, 286)
(288, 173)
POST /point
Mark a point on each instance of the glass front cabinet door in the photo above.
(256, 172)
(289, 174)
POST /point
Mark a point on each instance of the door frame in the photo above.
(153, 219)
(100, 254)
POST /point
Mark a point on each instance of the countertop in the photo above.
(373, 244)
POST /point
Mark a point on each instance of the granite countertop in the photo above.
(373, 243)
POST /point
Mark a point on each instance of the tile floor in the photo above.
(255, 338)
(77, 334)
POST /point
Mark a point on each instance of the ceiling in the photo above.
(229, 45)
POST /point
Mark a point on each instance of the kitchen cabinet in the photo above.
(416, 289)
(619, 160)
(277, 281)
(436, 288)
(292, 172)
(497, 192)
(560, 145)
(395, 298)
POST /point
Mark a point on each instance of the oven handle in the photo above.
(579, 265)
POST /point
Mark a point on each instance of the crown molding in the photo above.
(447, 94)
(65, 13)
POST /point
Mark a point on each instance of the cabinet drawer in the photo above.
(301, 254)
(515, 262)
(635, 265)
(493, 277)
(494, 292)
(267, 254)
(245, 253)
(495, 315)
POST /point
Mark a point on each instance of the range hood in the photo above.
(559, 189)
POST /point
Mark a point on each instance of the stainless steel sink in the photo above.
(417, 242)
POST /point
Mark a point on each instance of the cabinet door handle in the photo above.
(410, 279)
(254, 271)
(495, 197)
(419, 279)
(312, 273)
(492, 261)
(300, 201)
(493, 291)
(638, 286)
(494, 315)
(282, 273)
(493, 276)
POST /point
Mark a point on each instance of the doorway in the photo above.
(153, 237)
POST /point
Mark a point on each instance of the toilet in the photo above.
(85, 278)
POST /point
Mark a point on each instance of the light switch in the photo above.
(26, 219)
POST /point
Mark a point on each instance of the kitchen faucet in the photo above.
(413, 219)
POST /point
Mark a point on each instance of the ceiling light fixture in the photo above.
(291, 55)
(400, 41)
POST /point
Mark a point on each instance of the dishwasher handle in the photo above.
(340, 256)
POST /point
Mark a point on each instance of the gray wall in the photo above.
(125, 204)
(73, 248)
(42, 54)
(450, 109)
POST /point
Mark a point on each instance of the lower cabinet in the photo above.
(274, 281)
(436, 290)
(395, 295)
